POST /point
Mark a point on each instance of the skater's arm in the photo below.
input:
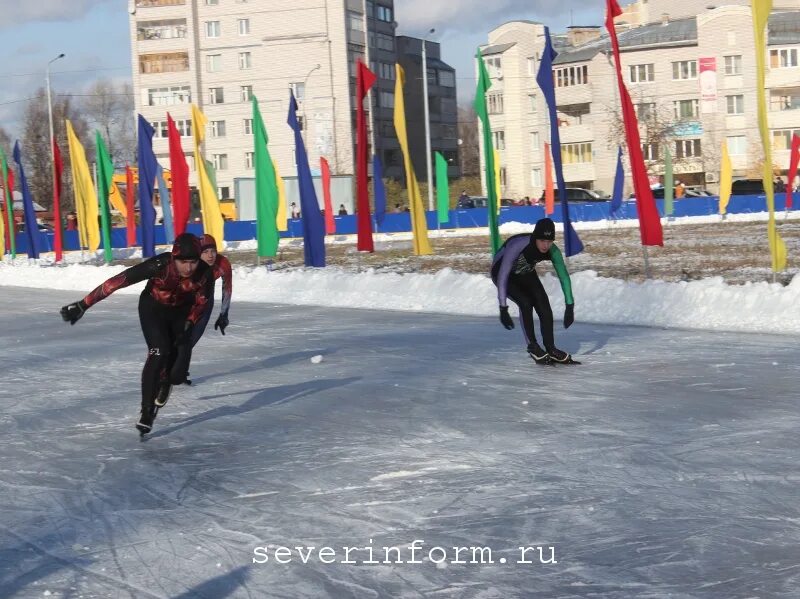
(509, 256)
(563, 274)
(135, 274)
(204, 291)
(227, 284)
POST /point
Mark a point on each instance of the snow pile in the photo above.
(708, 304)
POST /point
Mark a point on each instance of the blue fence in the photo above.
(459, 219)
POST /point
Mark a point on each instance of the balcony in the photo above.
(163, 63)
(161, 30)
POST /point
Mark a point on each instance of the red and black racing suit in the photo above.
(220, 268)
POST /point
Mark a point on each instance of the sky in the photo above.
(94, 35)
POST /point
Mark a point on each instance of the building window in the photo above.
(494, 66)
(686, 109)
(299, 90)
(220, 162)
(386, 99)
(224, 193)
(172, 62)
(569, 76)
(650, 151)
(245, 60)
(733, 65)
(535, 141)
(184, 127)
(531, 66)
(384, 42)
(495, 102)
(167, 96)
(213, 62)
(499, 138)
(212, 29)
(737, 145)
(215, 95)
(246, 93)
(355, 21)
(531, 102)
(785, 100)
(684, 69)
(645, 111)
(782, 139)
(212, 2)
(248, 126)
(735, 104)
(383, 13)
(249, 160)
(576, 153)
(687, 148)
(536, 177)
(161, 30)
(217, 128)
(244, 26)
(386, 71)
(643, 73)
(447, 78)
(783, 58)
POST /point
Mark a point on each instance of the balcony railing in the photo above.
(163, 63)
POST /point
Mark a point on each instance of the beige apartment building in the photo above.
(692, 80)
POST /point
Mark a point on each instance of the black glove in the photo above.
(72, 313)
(185, 336)
(222, 323)
(505, 318)
(569, 315)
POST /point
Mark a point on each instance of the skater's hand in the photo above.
(505, 318)
(569, 315)
(222, 323)
(72, 313)
(185, 336)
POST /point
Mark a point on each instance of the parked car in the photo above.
(577, 194)
(748, 187)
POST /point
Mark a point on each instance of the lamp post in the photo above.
(56, 207)
(427, 118)
(305, 85)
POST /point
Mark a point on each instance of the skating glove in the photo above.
(185, 336)
(72, 313)
(222, 323)
(569, 315)
(505, 318)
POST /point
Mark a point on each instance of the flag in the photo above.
(8, 194)
(166, 211)
(669, 183)
(725, 179)
(280, 220)
(130, 209)
(330, 222)
(481, 110)
(115, 197)
(378, 189)
(31, 226)
(619, 184)
(85, 196)
(148, 167)
(59, 172)
(365, 79)
(792, 172)
(313, 223)
(419, 225)
(649, 220)
(179, 172)
(549, 187)
(572, 243)
(777, 247)
(496, 160)
(209, 204)
(267, 198)
(442, 189)
(105, 174)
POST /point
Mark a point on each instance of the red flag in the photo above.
(11, 195)
(365, 79)
(130, 208)
(649, 219)
(795, 160)
(9, 231)
(59, 171)
(549, 192)
(330, 222)
(180, 179)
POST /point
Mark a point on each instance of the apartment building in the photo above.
(691, 79)
(219, 53)
(642, 12)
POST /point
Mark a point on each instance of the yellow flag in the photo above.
(777, 247)
(85, 195)
(115, 197)
(209, 203)
(280, 217)
(497, 176)
(418, 223)
(725, 179)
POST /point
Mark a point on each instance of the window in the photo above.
(735, 104)
(355, 21)
(499, 138)
(215, 95)
(687, 148)
(686, 109)
(386, 99)
(299, 90)
(383, 13)
(570, 76)
(447, 78)
(643, 73)
(685, 69)
(245, 60)
(212, 2)
(783, 58)
(224, 193)
(782, 139)
(213, 62)
(494, 66)
(576, 153)
(212, 29)
(531, 66)
(650, 151)
(184, 127)
(246, 93)
(503, 177)
(244, 26)
(384, 42)
(166, 96)
(536, 177)
(249, 160)
(785, 100)
(645, 111)
(386, 71)
(217, 128)
(220, 161)
(170, 62)
(737, 145)
(248, 126)
(531, 102)
(161, 30)
(733, 65)
(495, 102)
(535, 141)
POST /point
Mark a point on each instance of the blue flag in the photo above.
(147, 178)
(313, 223)
(619, 183)
(378, 189)
(31, 226)
(572, 243)
(166, 211)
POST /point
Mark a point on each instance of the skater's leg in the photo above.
(156, 330)
(541, 303)
(181, 354)
(520, 296)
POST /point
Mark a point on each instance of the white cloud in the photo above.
(31, 11)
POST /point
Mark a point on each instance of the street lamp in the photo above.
(56, 207)
(305, 85)
(427, 117)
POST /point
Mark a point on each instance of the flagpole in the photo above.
(646, 262)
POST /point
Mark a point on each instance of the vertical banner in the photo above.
(330, 222)
(725, 179)
(148, 168)
(59, 173)
(792, 172)
(105, 175)
(31, 226)
(130, 208)
(708, 85)
(619, 184)
(482, 110)
(179, 171)
(442, 189)
(166, 210)
(669, 182)
(267, 193)
(365, 79)
(378, 189)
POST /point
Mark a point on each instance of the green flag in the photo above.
(9, 196)
(488, 150)
(105, 173)
(669, 184)
(266, 190)
(212, 173)
(442, 190)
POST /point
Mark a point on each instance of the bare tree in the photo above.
(109, 109)
(657, 127)
(469, 152)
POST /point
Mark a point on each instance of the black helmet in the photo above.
(544, 229)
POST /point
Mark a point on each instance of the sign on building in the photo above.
(708, 85)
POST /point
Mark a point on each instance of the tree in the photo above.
(109, 109)
(469, 141)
